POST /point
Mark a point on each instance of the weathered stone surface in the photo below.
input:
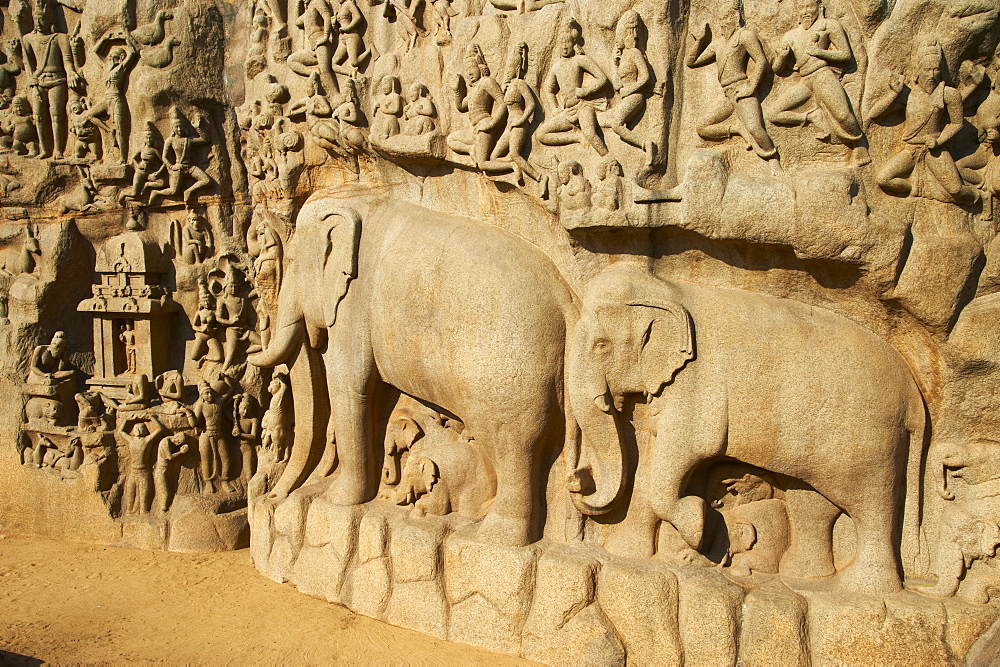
(565, 625)
(709, 612)
(640, 600)
(489, 591)
(773, 627)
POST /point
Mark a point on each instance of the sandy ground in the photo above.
(68, 603)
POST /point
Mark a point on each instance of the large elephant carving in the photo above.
(456, 312)
(770, 382)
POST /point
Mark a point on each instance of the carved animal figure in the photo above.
(770, 382)
(407, 425)
(757, 524)
(454, 311)
(161, 56)
(153, 32)
(447, 478)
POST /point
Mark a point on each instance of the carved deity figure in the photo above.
(925, 167)
(350, 119)
(148, 164)
(420, 113)
(573, 91)
(180, 160)
(818, 49)
(256, 61)
(479, 96)
(318, 112)
(197, 238)
(85, 130)
(387, 108)
(733, 47)
(982, 168)
(51, 73)
(609, 193)
(521, 107)
(574, 192)
(169, 449)
(48, 367)
(350, 27)
(138, 494)
(316, 23)
(127, 337)
(213, 447)
(12, 66)
(19, 125)
(231, 314)
(206, 345)
(119, 65)
(632, 79)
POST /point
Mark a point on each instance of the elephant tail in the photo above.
(910, 543)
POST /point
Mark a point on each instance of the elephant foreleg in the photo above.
(811, 517)
(514, 448)
(355, 481)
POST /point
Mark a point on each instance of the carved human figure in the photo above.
(206, 345)
(148, 164)
(118, 67)
(277, 422)
(198, 242)
(170, 449)
(84, 128)
(387, 108)
(138, 394)
(51, 73)
(443, 13)
(521, 107)
(420, 113)
(350, 27)
(20, 126)
(350, 119)
(246, 430)
(316, 23)
(982, 168)
(479, 96)
(48, 367)
(609, 193)
(573, 91)
(170, 387)
(733, 47)
(256, 61)
(924, 167)
(574, 188)
(231, 313)
(138, 494)
(127, 337)
(213, 446)
(265, 246)
(818, 49)
(180, 159)
(318, 112)
(632, 79)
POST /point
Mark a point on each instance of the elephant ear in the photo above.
(409, 432)
(667, 344)
(429, 474)
(340, 264)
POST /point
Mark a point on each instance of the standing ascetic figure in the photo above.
(734, 47)
(51, 73)
(925, 167)
(818, 50)
(376, 290)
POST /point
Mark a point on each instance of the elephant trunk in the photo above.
(598, 480)
(282, 346)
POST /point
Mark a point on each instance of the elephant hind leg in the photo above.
(515, 449)
(875, 570)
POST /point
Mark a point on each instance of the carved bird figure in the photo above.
(152, 33)
(161, 56)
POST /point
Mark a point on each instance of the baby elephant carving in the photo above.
(757, 524)
(447, 478)
(969, 528)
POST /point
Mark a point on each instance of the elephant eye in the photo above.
(602, 345)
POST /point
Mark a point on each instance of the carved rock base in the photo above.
(570, 604)
(45, 503)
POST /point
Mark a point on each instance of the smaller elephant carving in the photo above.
(757, 524)
(409, 422)
(447, 478)
(969, 529)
